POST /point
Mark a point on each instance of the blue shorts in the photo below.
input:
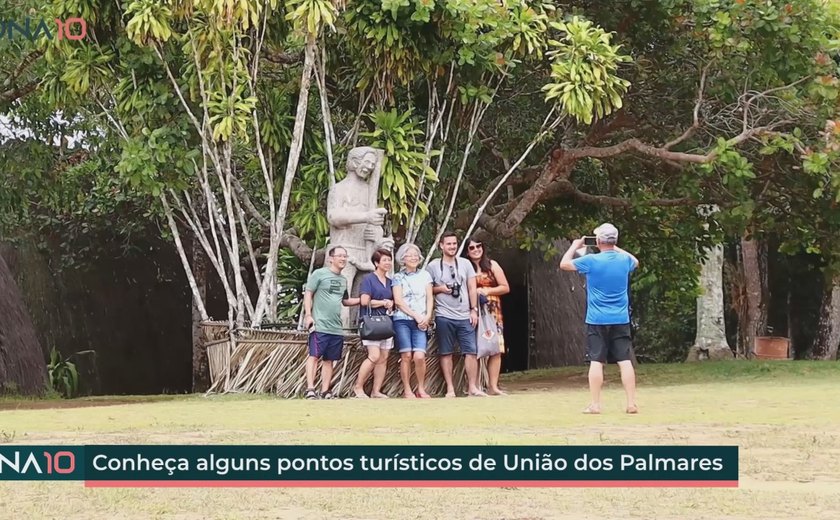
(449, 332)
(409, 337)
(326, 346)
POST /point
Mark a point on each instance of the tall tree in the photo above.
(710, 341)
(22, 361)
(22, 364)
(756, 291)
(827, 338)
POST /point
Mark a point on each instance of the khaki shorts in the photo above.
(385, 344)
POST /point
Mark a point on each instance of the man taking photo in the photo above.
(607, 311)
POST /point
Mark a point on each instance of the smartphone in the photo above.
(589, 241)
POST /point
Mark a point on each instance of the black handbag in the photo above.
(376, 328)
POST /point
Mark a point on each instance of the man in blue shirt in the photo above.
(607, 311)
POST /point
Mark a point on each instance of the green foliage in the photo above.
(148, 21)
(231, 113)
(310, 16)
(400, 136)
(156, 160)
(821, 163)
(401, 42)
(664, 315)
(64, 378)
(241, 12)
(775, 40)
(59, 198)
(664, 289)
(583, 71)
(85, 65)
(277, 119)
(291, 278)
(309, 195)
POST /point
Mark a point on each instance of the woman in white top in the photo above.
(414, 301)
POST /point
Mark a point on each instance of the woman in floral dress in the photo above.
(492, 284)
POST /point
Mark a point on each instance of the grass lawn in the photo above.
(783, 415)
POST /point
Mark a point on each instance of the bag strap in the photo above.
(457, 278)
(361, 315)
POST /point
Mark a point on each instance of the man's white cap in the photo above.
(606, 231)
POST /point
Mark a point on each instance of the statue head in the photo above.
(361, 161)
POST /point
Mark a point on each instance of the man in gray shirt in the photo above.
(456, 312)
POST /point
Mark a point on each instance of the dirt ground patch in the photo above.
(549, 382)
(45, 404)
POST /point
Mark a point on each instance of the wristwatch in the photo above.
(474, 309)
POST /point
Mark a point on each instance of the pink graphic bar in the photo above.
(414, 483)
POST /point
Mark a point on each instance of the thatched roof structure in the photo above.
(273, 361)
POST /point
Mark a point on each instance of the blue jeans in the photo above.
(449, 332)
(409, 337)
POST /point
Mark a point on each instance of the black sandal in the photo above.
(311, 394)
(327, 395)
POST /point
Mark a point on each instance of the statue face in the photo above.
(364, 166)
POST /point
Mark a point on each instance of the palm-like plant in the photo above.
(64, 378)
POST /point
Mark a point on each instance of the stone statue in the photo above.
(356, 220)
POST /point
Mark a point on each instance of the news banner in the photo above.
(373, 466)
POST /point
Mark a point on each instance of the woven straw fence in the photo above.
(272, 361)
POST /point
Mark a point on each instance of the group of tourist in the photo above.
(447, 295)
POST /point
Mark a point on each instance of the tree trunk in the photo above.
(198, 299)
(200, 367)
(754, 261)
(22, 366)
(828, 327)
(291, 170)
(710, 341)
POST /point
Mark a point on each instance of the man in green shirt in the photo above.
(326, 292)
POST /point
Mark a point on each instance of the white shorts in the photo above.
(385, 344)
